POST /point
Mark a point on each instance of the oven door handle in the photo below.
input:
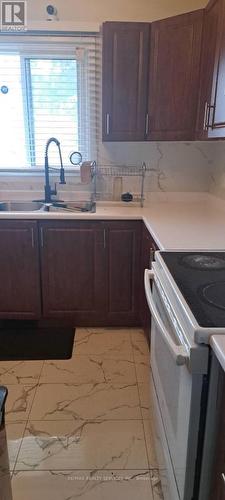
(178, 352)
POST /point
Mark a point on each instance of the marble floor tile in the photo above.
(111, 342)
(64, 445)
(88, 370)
(19, 402)
(22, 372)
(140, 351)
(86, 485)
(139, 336)
(6, 487)
(150, 439)
(145, 399)
(143, 370)
(75, 428)
(86, 401)
(10, 441)
(7, 365)
(14, 433)
(156, 485)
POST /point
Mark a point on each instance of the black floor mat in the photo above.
(31, 343)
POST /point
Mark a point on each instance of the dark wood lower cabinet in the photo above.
(73, 271)
(19, 270)
(91, 271)
(84, 273)
(123, 252)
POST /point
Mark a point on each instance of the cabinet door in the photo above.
(73, 271)
(123, 244)
(125, 80)
(217, 116)
(174, 77)
(211, 30)
(19, 270)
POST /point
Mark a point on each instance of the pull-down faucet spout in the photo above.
(49, 192)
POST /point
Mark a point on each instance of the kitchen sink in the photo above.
(32, 206)
(20, 206)
(71, 206)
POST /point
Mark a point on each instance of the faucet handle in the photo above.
(62, 176)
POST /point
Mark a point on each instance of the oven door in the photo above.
(178, 394)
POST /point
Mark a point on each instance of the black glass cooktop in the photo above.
(200, 276)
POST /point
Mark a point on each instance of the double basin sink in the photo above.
(40, 206)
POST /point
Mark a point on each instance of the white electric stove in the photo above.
(186, 295)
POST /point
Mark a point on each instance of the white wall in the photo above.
(91, 13)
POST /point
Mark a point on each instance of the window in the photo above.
(47, 90)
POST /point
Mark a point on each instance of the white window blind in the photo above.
(48, 89)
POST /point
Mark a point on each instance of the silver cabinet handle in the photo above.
(42, 237)
(210, 121)
(104, 239)
(107, 123)
(178, 351)
(152, 256)
(147, 124)
(206, 114)
(223, 477)
(32, 237)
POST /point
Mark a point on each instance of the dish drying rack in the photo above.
(123, 171)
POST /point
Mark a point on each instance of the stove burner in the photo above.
(201, 262)
(214, 294)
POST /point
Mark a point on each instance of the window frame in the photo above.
(40, 39)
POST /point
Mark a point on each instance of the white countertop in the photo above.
(217, 343)
(176, 220)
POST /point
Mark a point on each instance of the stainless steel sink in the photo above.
(32, 206)
(71, 206)
(20, 206)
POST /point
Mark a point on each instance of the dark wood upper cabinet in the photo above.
(19, 270)
(125, 81)
(212, 30)
(217, 116)
(174, 76)
(165, 81)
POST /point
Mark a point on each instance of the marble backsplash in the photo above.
(171, 167)
(217, 172)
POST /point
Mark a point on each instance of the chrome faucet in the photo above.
(49, 192)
